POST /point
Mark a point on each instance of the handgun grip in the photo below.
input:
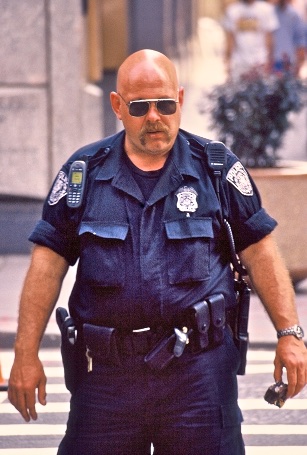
(61, 315)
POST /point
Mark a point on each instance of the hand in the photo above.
(291, 353)
(24, 379)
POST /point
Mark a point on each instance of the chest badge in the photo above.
(186, 200)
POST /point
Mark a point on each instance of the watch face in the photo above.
(299, 332)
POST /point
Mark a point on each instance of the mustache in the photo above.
(153, 128)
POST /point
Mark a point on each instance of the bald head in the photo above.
(146, 68)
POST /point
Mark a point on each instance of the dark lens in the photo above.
(166, 107)
(138, 108)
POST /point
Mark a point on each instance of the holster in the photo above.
(68, 347)
(162, 353)
(241, 336)
(205, 321)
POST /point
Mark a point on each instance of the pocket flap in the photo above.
(189, 228)
(107, 231)
(231, 415)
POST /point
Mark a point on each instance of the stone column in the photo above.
(47, 109)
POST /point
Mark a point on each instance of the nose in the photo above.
(153, 112)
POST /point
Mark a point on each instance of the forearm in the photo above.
(40, 292)
(271, 281)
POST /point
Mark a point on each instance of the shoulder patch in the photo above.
(59, 188)
(239, 178)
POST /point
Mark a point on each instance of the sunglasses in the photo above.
(139, 108)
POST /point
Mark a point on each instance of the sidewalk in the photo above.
(12, 273)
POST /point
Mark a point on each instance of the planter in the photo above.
(283, 191)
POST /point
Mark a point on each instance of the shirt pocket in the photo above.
(102, 253)
(188, 249)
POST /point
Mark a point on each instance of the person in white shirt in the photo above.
(249, 27)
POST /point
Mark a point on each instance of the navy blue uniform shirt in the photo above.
(143, 262)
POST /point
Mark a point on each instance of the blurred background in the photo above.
(58, 65)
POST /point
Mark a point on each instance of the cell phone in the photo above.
(76, 184)
(277, 394)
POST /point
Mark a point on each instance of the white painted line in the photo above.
(274, 429)
(31, 451)
(54, 372)
(247, 404)
(260, 355)
(32, 429)
(56, 388)
(263, 450)
(8, 408)
(260, 368)
(273, 450)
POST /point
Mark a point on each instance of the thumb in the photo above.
(41, 393)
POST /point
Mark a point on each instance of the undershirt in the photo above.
(146, 180)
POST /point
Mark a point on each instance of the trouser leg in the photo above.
(189, 408)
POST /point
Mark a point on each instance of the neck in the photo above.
(148, 162)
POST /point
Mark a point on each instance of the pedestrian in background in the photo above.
(301, 7)
(289, 39)
(153, 274)
(249, 27)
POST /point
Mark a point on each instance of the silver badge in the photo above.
(238, 177)
(59, 188)
(186, 199)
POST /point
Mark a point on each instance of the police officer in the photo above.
(151, 247)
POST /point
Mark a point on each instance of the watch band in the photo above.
(294, 330)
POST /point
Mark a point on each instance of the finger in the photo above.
(30, 405)
(298, 381)
(292, 383)
(278, 371)
(41, 393)
(18, 400)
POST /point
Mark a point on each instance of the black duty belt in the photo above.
(203, 329)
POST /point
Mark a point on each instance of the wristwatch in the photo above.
(295, 330)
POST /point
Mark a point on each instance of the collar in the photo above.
(178, 165)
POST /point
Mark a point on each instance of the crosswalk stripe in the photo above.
(8, 408)
(56, 388)
(54, 372)
(247, 404)
(274, 429)
(273, 450)
(259, 368)
(260, 355)
(32, 429)
(31, 451)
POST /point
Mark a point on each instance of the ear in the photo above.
(181, 96)
(115, 103)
